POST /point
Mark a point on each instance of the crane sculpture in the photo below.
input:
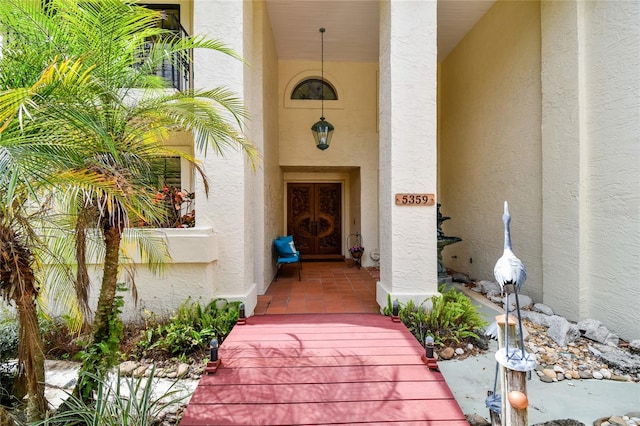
(510, 274)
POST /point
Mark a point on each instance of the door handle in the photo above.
(313, 228)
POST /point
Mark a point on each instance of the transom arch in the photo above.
(311, 75)
(314, 88)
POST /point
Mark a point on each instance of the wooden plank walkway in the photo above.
(312, 369)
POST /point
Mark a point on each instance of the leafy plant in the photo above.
(450, 319)
(178, 207)
(124, 401)
(98, 359)
(191, 328)
(8, 339)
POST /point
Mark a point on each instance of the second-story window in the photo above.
(178, 69)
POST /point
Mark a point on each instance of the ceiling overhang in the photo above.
(352, 27)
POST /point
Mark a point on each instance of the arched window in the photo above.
(314, 88)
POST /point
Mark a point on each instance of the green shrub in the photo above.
(450, 319)
(8, 339)
(190, 329)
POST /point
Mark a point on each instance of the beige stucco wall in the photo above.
(539, 105)
(612, 261)
(354, 146)
(591, 142)
(490, 142)
(268, 195)
(227, 208)
(187, 274)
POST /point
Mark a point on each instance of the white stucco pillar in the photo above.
(408, 65)
(225, 209)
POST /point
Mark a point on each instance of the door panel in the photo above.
(314, 217)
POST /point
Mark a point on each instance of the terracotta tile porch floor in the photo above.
(325, 287)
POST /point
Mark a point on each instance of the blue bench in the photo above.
(287, 254)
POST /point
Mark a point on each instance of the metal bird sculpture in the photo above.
(510, 274)
(510, 271)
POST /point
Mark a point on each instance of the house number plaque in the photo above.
(415, 199)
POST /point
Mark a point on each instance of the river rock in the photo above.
(460, 277)
(489, 288)
(594, 330)
(562, 331)
(477, 420)
(617, 358)
(524, 300)
(182, 370)
(585, 374)
(536, 317)
(542, 308)
(139, 371)
(617, 420)
(447, 353)
(126, 368)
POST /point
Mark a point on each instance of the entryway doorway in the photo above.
(314, 218)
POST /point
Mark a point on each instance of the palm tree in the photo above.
(27, 163)
(18, 284)
(117, 120)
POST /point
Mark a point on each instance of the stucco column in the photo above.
(563, 125)
(225, 209)
(591, 152)
(408, 65)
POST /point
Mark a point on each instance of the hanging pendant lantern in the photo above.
(322, 130)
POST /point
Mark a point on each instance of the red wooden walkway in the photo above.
(322, 369)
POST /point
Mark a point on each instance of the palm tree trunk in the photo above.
(100, 356)
(31, 355)
(18, 283)
(104, 310)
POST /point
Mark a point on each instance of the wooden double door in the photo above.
(314, 218)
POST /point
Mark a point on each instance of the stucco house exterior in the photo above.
(537, 103)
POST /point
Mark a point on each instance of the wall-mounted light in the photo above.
(322, 130)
